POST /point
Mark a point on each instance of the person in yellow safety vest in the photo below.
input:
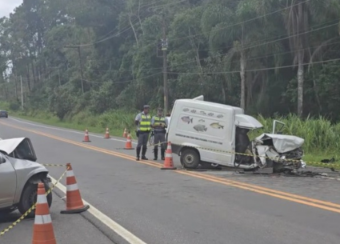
(159, 124)
(143, 123)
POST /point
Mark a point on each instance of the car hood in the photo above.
(282, 143)
(9, 145)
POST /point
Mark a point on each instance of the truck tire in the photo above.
(29, 197)
(190, 158)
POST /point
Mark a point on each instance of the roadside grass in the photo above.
(321, 137)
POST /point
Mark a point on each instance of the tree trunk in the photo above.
(300, 80)
(224, 95)
(134, 31)
(243, 80)
(16, 88)
(34, 79)
(28, 78)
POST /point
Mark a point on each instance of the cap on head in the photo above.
(146, 106)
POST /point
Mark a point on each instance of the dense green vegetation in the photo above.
(322, 139)
(85, 62)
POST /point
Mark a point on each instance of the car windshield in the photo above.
(24, 151)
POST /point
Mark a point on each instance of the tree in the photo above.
(248, 53)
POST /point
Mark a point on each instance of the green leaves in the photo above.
(232, 51)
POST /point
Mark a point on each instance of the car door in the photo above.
(8, 182)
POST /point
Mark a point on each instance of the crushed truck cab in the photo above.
(217, 134)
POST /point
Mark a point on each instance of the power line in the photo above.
(256, 70)
(260, 57)
(262, 43)
(212, 73)
(182, 38)
(226, 72)
(126, 81)
(255, 58)
(128, 27)
(246, 21)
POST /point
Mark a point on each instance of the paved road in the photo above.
(180, 206)
(72, 229)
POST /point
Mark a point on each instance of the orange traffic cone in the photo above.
(43, 229)
(168, 162)
(107, 134)
(74, 202)
(128, 144)
(87, 137)
(125, 133)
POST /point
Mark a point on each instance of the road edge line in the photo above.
(46, 126)
(120, 230)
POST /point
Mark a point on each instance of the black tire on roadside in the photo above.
(29, 197)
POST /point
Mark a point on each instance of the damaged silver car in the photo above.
(19, 175)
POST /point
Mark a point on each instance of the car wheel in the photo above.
(190, 158)
(29, 198)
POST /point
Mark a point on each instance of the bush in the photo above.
(320, 134)
(14, 106)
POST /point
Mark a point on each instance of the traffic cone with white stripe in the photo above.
(168, 162)
(74, 202)
(43, 232)
(128, 144)
(107, 134)
(87, 137)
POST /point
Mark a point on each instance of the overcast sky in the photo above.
(7, 6)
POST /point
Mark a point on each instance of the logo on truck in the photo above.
(186, 119)
(216, 126)
(200, 128)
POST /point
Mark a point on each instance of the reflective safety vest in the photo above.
(157, 122)
(145, 123)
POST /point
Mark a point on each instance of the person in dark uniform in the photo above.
(159, 124)
(143, 122)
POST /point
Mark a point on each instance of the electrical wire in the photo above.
(262, 43)
(246, 21)
(222, 28)
(128, 27)
(256, 70)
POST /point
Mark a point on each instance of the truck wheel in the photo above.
(190, 158)
(29, 197)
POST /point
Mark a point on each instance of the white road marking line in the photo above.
(120, 230)
(66, 130)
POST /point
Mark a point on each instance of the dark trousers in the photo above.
(159, 139)
(143, 138)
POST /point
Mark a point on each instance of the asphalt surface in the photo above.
(174, 207)
(72, 229)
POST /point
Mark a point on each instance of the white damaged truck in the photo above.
(203, 132)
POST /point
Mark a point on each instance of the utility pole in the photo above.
(165, 66)
(22, 94)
